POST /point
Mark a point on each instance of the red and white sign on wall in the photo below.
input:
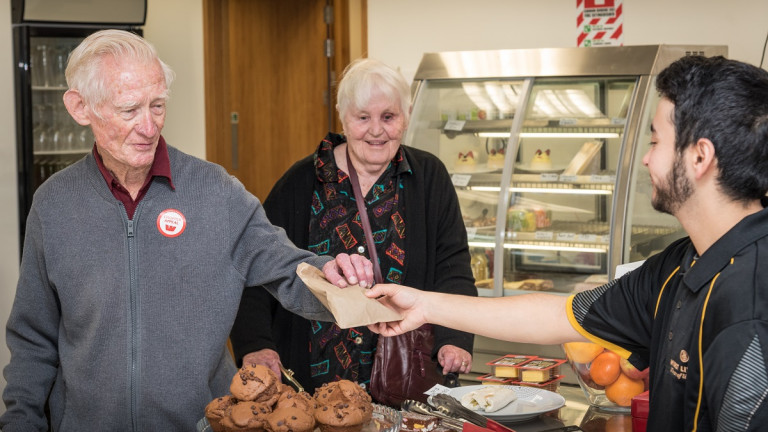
(599, 23)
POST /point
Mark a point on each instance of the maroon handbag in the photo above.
(402, 366)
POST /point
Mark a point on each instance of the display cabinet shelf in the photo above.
(547, 161)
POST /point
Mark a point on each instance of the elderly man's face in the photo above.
(132, 116)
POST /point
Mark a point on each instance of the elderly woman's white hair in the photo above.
(84, 68)
(364, 76)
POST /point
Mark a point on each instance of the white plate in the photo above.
(530, 403)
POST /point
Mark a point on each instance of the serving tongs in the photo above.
(422, 408)
(289, 376)
(452, 407)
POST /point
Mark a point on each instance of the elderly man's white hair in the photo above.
(84, 66)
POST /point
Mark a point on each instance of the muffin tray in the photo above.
(384, 419)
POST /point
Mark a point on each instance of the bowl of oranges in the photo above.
(608, 381)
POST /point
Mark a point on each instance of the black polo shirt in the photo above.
(700, 323)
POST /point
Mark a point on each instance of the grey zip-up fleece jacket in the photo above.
(123, 328)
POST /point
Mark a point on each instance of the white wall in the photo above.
(9, 231)
(175, 28)
(400, 31)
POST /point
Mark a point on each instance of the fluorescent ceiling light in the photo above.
(569, 135)
(555, 248)
(551, 134)
(493, 134)
(489, 245)
(544, 190)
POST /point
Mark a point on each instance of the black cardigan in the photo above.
(438, 257)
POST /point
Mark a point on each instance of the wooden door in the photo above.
(267, 79)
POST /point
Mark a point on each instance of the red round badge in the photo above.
(171, 223)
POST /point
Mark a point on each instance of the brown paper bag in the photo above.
(349, 306)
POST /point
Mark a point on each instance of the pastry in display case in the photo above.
(545, 150)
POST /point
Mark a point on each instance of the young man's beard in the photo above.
(676, 190)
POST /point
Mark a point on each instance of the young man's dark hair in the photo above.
(724, 101)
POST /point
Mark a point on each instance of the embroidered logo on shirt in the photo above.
(171, 223)
(679, 370)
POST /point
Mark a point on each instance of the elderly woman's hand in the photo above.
(348, 270)
(454, 359)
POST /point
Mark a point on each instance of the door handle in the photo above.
(234, 120)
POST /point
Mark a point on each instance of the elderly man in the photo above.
(134, 263)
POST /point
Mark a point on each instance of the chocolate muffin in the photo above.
(342, 406)
(290, 419)
(218, 409)
(255, 383)
(302, 400)
(246, 416)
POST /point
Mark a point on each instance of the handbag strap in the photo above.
(364, 218)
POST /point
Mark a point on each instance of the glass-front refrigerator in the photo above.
(545, 149)
(44, 33)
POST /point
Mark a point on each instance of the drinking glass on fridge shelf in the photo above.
(59, 66)
(39, 65)
(85, 139)
(58, 137)
(43, 128)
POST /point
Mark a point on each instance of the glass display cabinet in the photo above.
(545, 150)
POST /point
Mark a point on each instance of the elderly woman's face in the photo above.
(374, 132)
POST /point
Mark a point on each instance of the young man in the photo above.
(134, 263)
(696, 313)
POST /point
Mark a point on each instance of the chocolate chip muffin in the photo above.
(342, 406)
(302, 400)
(246, 416)
(290, 419)
(218, 409)
(256, 383)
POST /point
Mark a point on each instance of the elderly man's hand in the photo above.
(265, 357)
(348, 270)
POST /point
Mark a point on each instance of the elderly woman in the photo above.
(414, 216)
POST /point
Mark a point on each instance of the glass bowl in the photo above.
(384, 419)
(598, 420)
(608, 381)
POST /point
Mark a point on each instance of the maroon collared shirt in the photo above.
(161, 167)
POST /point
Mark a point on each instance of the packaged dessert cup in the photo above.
(608, 381)
(509, 365)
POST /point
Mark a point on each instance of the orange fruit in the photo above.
(582, 352)
(623, 390)
(605, 368)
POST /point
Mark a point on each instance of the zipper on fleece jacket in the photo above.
(133, 306)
